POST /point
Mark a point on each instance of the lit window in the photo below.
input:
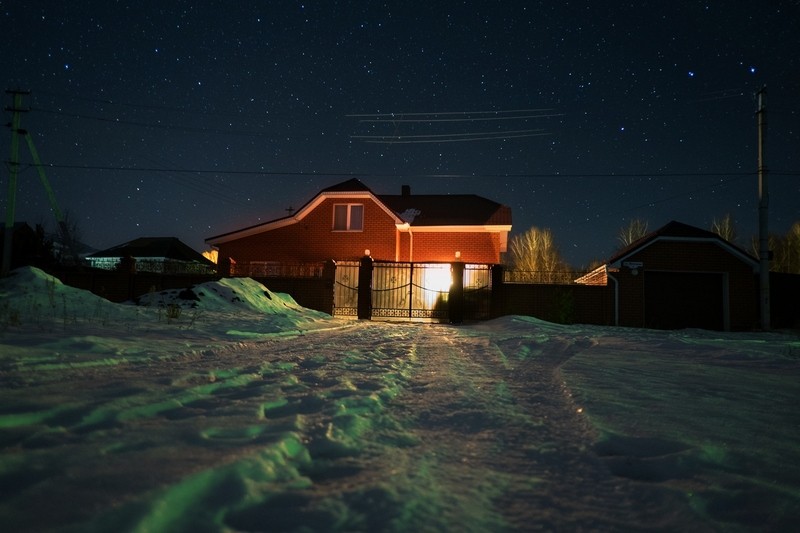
(348, 217)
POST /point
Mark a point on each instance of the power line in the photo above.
(152, 125)
(132, 105)
(470, 119)
(261, 172)
(449, 137)
(438, 113)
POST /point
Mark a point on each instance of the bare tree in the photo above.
(535, 257)
(68, 239)
(725, 228)
(785, 250)
(635, 230)
(793, 249)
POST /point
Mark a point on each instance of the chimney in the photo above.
(405, 190)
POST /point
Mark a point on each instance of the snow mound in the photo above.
(41, 318)
(228, 295)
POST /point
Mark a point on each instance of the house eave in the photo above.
(464, 228)
(618, 262)
(300, 215)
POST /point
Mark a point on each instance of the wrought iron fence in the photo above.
(417, 291)
(410, 290)
(549, 277)
(269, 269)
(477, 291)
(345, 289)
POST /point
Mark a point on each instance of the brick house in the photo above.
(343, 221)
(680, 276)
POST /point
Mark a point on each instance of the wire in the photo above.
(152, 125)
(447, 176)
(449, 137)
(437, 113)
(475, 119)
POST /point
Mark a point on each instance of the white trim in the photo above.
(405, 226)
(300, 215)
(719, 242)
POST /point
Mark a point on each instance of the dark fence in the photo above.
(488, 291)
(397, 289)
(784, 290)
(122, 286)
(564, 304)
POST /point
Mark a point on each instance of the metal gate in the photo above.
(412, 291)
(345, 289)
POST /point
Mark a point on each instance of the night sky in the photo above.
(190, 119)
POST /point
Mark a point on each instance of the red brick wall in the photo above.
(313, 239)
(474, 247)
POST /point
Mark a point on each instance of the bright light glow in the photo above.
(437, 279)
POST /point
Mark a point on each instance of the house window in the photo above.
(348, 217)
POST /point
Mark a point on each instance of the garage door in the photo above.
(676, 300)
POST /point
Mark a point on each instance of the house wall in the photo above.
(682, 256)
(313, 238)
(442, 246)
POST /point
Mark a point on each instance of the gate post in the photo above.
(498, 300)
(455, 299)
(365, 287)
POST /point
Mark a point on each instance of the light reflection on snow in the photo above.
(259, 411)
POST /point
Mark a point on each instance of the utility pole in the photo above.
(13, 168)
(763, 211)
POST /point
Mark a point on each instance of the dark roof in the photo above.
(351, 185)
(678, 230)
(447, 209)
(168, 247)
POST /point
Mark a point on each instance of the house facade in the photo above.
(680, 276)
(348, 220)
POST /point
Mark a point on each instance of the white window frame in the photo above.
(350, 219)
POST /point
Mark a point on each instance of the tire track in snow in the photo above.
(510, 448)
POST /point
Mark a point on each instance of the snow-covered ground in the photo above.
(231, 408)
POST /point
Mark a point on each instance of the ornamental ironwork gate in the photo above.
(412, 291)
(345, 289)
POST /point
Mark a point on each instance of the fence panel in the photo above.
(410, 290)
(392, 290)
(477, 291)
(345, 290)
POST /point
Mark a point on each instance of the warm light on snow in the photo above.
(246, 412)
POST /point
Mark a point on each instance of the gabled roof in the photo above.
(407, 210)
(167, 247)
(448, 210)
(351, 185)
(677, 231)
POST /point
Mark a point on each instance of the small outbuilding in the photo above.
(680, 276)
(164, 255)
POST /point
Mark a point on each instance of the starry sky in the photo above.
(194, 118)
